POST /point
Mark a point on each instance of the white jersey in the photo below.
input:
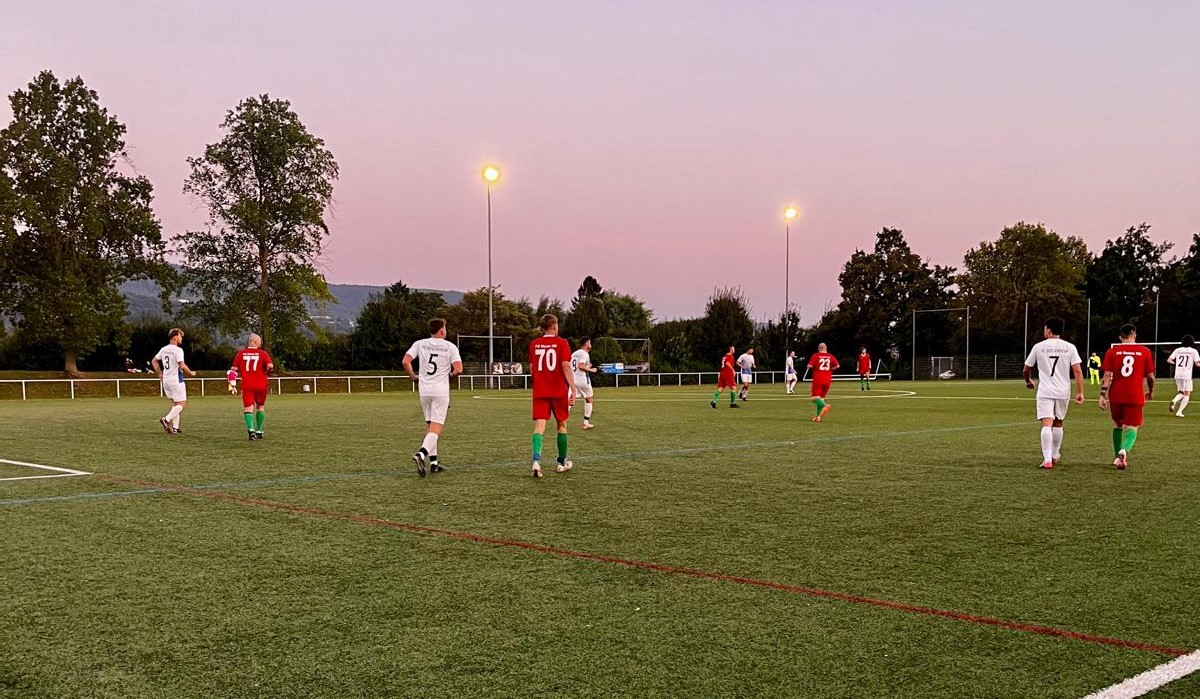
(1054, 359)
(580, 356)
(171, 360)
(1184, 358)
(789, 367)
(435, 358)
(746, 362)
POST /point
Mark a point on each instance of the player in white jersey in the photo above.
(789, 373)
(581, 367)
(438, 361)
(746, 371)
(168, 364)
(1056, 360)
(1184, 357)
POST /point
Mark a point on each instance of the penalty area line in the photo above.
(649, 566)
(59, 472)
(1151, 679)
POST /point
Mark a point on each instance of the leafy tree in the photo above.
(726, 322)
(1028, 263)
(672, 343)
(470, 317)
(390, 322)
(1123, 280)
(628, 314)
(588, 318)
(72, 227)
(266, 184)
(589, 289)
(550, 305)
(1180, 314)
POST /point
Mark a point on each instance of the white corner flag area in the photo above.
(56, 472)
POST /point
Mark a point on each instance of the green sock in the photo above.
(1116, 440)
(261, 417)
(248, 418)
(1130, 438)
(818, 404)
(716, 395)
(732, 396)
(537, 446)
(562, 446)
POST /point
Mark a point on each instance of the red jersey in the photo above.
(823, 364)
(252, 363)
(728, 363)
(864, 364)
(547, 355)
(1130, 365)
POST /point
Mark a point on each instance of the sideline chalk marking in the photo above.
(58, 471)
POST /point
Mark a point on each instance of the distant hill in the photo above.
(339, 315)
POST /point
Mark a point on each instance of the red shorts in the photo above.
(726, 380)
(254, 396)
(544, 407)
(1126, 414)
(820, 390)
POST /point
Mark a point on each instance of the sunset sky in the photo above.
(655, 145)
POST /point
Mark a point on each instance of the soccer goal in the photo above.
(877, 373)
(943, 336)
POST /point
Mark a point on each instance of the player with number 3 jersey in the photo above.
(553, 390)
(437, 360)
(1126, 366)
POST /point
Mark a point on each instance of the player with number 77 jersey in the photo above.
(553, 390)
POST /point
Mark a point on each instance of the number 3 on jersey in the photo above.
(823, 364)
(547, 358)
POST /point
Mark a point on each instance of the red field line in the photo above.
(657, 567)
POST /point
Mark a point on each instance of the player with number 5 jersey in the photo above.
(1126, 366)
(253, 362)
(553, 390)
(437, 361)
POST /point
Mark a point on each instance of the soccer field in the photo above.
(907, 546)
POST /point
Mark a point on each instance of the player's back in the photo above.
(579, 358)
(546, 355)
(822, 364)
(170, 358)
(1054, 358)
(253, 363)
(1185, 359)
(1130, 364)
(435, 360)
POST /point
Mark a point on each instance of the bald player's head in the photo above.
(254, 341)
(822, 348)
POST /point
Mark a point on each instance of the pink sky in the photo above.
(655, 147)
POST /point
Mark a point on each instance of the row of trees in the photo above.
(76, 221)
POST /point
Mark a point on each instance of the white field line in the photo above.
(1151, 679)
(58, 471)
(696, 396)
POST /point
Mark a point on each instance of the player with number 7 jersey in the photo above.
(553, 390)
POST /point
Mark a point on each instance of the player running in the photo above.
(1056, 361)
(789, 373)
(823, 364)
(438, 360)
(1126, 366)
(864, 369)
(746, 369)
(254, 364)
(581, 367)
(1184, 358)
(726, 379)
(169, 366)
(550, 366)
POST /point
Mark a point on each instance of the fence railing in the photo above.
(474, 382)
(29, 389)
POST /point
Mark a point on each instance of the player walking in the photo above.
(1126, 366)
(864, 369)
(726, 379)
(789, 373)
(823, 364)
(1184, 358)
(168, 364)
(254, 363)
(746, 369)
(549, 363)
(1094, 370)
(581, 367)
(1056, 361)
(438, 360)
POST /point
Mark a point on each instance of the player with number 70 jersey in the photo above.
(553, 390)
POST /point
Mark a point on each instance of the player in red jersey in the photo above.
(253, 363)
(823, 365)
(553, 390)
(726, 379)
(1126, 366)
(864, 369)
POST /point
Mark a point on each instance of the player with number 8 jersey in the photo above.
(553, 391)
(253, 362)
(1126, 366)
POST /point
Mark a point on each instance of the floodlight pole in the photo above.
(1088, 350)
(967, 377)
(787, 286)
(1025, 341)
(1156, 318)
(491, 290)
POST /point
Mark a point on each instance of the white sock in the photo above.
(1183, 402)
(173, 414)
(175, 422)
(1047, 443)
(587, 412)
(1176, 398)
(430, 444)
(1057, 433)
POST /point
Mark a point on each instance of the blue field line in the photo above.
(643, 454)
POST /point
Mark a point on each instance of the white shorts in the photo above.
(1053, 408)
(435, 408)
(177, 392)
(583, 390)
(747, 377)
(1182, 385)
